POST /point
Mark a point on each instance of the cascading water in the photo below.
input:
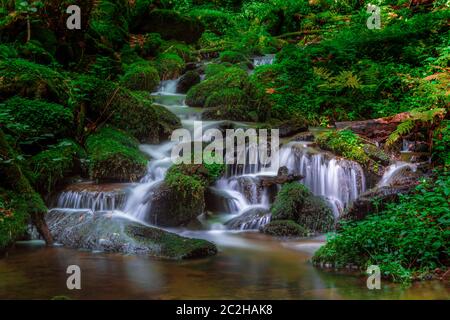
(393, 171)
(263, 60)
(338, 180)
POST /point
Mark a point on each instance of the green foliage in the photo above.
(441, 144)
(51, 166)
(416, 117)
(105, 68)
(28, 79)
(34, 120)
(407, 240)
(140, 76)
(216, 21)
(114, 155)
(232, 57)
(187, 180)
(345, 143)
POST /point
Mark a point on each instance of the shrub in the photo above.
(33, 120)
(140, 76)
(114, 155)
(232, 57)
(407, 240)
(441, 144)
(13, 218)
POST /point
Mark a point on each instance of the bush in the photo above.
(233, 57)
(114, 155)
(33, 120)
(441, 144)
(140, 76)
(215, 21)
(295, 202)
(407, 240)
(27, 79)
(284, 228)
(51, 166)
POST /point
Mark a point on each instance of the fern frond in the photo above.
(322, 73)
(403, 128)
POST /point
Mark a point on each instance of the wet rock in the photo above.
(253, 219)
(170, 208)
(187, 81)
(290, 127)
(109, 232)
(282, 177)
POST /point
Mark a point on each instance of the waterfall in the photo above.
(338, 180)
(168, 86)
(263, 60)
(85, 197)
(393, 171)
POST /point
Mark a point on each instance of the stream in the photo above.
(249, 265)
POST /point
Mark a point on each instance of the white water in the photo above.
(393, 171)
(263, 60)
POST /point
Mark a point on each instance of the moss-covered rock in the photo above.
(187, 81)
(169, 24)
(34, 120)
(131, 111)
(116, 234)
(140, 76)
(284, 228)
(28, 79)
(230, 78)
(114, 155)
(295, 202)
(169, 65)
(51, 166)
(181, 198)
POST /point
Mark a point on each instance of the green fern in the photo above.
(408, 125)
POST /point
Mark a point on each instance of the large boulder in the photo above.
(114, 156)
(140, 76)
(116, 233)
(187, 81)
(296, 203)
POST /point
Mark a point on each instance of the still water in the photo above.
(248, 266)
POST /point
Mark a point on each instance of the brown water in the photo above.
(248, 266)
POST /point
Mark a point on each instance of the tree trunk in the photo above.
(28, 29)
(14, 180)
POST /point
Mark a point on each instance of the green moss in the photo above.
(35, 119)
(131, 111)
(114, 155)
(216, 21)
(28, 79)
(172, 245)
(344, 143)
(284, 228)
(180, 49)
(295, 202)
(212, 69)
(140, 76)
(51, 166)
(226, 97)
(169, 65)
(228, 78)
